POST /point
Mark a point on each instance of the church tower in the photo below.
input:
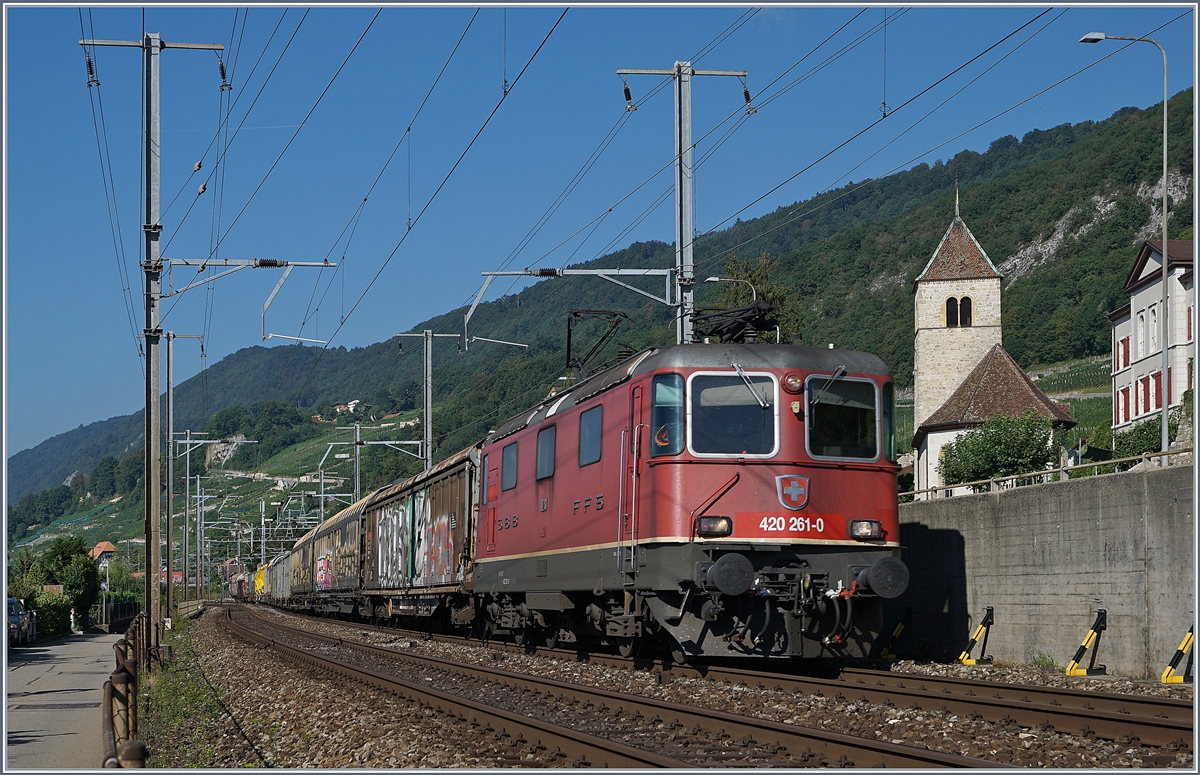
(957, 317)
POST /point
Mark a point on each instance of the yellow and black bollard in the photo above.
(1090, 641)
(984, 628)
(885, 651)
(1169, 675)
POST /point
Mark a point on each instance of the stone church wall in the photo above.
(944, 356)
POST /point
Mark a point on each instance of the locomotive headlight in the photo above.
(714, 526)
(866, 529)
(792, 383)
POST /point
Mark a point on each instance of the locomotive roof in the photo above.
(699, 356)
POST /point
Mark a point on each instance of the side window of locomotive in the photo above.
(730, 417)
(508, 467)
(842, 418)
(666, 416)
(545, 452)
(590, 423)
(889, 421)
(483, 475)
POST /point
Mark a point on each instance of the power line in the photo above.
(433, 197)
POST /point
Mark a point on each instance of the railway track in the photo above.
(678, 735)
(1127, 719)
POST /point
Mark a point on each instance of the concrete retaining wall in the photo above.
(1046, 557)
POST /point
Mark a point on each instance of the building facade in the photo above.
(1137, 379)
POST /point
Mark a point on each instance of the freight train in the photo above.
(703, 500)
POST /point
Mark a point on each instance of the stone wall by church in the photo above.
(944, 356)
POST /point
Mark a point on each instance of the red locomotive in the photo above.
(706, 500)
(722, 499)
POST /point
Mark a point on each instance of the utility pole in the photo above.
(685, 278)
(427, 385)
(171, 337)
(152, 45)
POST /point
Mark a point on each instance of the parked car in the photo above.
(19, 625)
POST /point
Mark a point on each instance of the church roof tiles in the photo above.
(958, 257)
(996, 386)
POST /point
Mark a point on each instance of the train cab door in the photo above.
(491, 482)
(627, 530)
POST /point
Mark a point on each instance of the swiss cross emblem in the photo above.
(792, 490)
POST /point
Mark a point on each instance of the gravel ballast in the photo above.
(276, 716)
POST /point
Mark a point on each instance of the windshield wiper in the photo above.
(837, 374)
(750, 386)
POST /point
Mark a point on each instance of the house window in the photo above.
(1124, 404)
(508, 467)
(964, 312)
(951, 312)
(1125, 352)
(590, 423)
(1141, 334)
(1153, 329)
(545, 452)
(1158, 390)
(1189, 324)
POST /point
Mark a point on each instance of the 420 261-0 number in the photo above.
(792, 525)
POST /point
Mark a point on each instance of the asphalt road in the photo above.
(53, 704)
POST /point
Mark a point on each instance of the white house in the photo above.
(1137, 383)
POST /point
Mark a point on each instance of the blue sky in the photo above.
(70, 353)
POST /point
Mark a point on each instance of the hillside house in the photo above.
(102, 553)
(1137, 383)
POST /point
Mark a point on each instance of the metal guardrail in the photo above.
(1039, 477)
(119, 707)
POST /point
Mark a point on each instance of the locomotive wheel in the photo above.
(521, 636)
(552, 638)
(678, 655)
(627, 647)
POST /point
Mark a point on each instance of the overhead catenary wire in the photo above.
(433, 197)
(795, 214)
(232, 70)
(109, 186)
(241, 123)
(379, 176)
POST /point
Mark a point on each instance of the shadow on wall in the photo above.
(937, 594)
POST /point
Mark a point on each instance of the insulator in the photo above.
(628, 96)
(92, 70)
(545, 272)
(271, 263)
(746, 94)
(221, 65)
(199, 164)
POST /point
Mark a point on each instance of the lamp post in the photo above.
(1096, 37)
(753, 293)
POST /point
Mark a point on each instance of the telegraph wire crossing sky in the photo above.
(418, 147)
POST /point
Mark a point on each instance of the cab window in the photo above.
(842, 418)
(666, 415)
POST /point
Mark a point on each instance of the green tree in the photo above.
(81, 583)
(60, 554)
(761, 274)
(129, 472)
(102, 482)
(1002, 446)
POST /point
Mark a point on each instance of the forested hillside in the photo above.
(1060, 211)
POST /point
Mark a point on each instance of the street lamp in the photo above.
(753, 293)
(1096, 37)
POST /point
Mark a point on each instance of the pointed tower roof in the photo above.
(996, 386)
(958, 256)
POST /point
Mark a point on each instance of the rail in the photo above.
(1060, 474)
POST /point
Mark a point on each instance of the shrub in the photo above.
(53, 613)
(1002, 446)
